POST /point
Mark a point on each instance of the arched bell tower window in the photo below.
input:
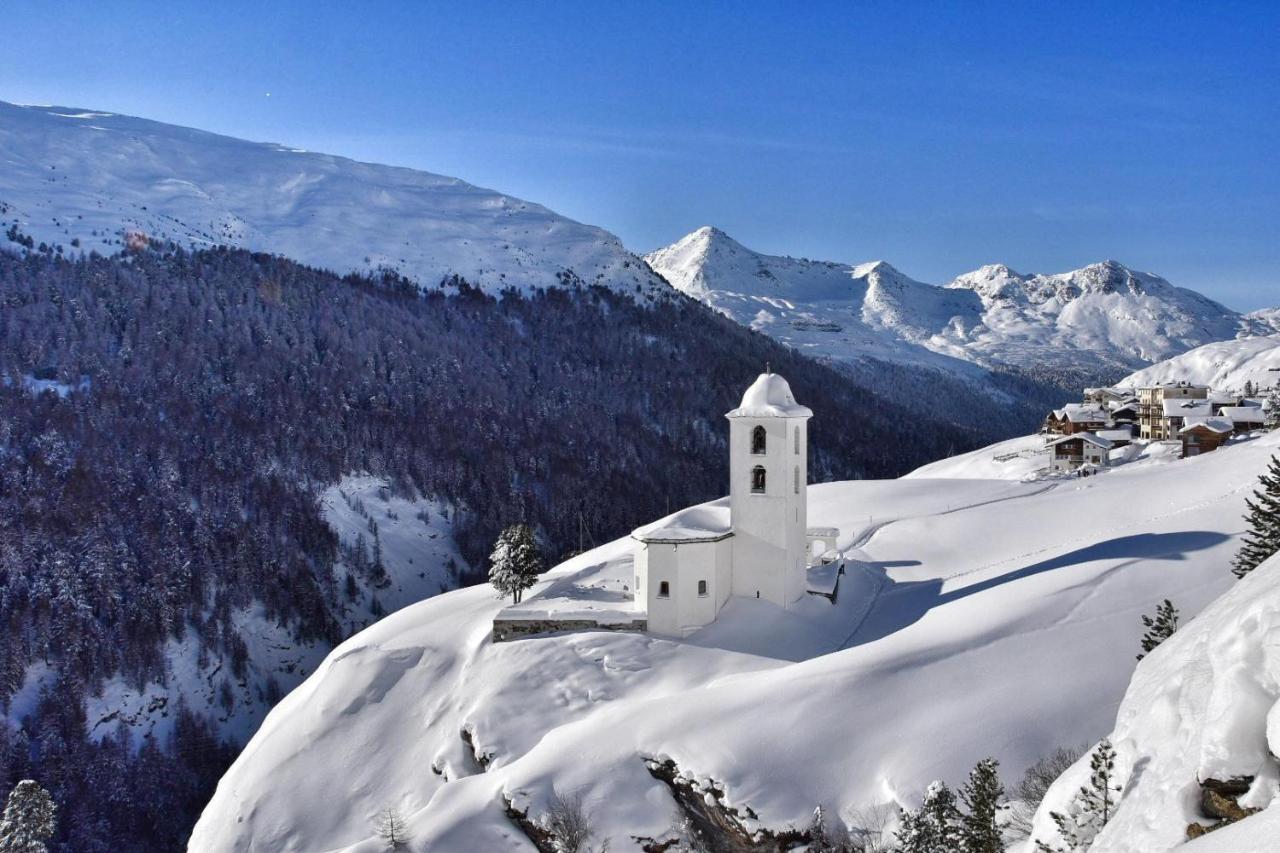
(757, 441)
(702, 587)
(757, 480)
(797, 435)
(797, 479)
(664, 590)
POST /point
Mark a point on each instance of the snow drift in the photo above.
(1204, 707)
(979, 617)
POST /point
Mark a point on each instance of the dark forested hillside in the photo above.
(166, 420)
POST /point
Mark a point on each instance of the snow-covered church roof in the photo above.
(770, 397)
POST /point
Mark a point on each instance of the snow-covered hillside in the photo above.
(86, 179)
(978, 617)
(1204, 707)
(419, 558)
(1225, 365)
(1102, 318)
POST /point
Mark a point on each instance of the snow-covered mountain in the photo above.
(87, 179)
(1201, 714)
(1227, 365)
(943, 647)
(1102, 318)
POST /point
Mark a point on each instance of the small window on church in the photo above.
(757, 440)
(702, 587)
(664, 590)
(797, 434)
(797, 479)
(757, 479)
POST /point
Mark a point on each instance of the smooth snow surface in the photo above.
(978, 617)
(70, 174)
(1225, 365)
(1102, 318)
(1204, 705)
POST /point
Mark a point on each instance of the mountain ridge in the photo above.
(87, 179)
(1104, 315)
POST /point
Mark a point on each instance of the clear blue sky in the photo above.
(937, 137)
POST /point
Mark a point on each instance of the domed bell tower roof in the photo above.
(770, 397)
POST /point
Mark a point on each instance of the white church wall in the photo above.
(682, 568)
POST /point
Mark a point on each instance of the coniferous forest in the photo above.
(168, 418)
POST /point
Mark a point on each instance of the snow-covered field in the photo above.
(980, 617)
(1224, 366)
(92, 177)
(1102, 317)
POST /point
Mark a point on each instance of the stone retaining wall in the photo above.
(515, 629)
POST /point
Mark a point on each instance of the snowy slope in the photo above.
(1102, 318)
(1226, 365)
(1205, 705)
(979, 617)
(69, 174)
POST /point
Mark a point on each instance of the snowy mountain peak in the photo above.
(84, 180)
(1105, 318)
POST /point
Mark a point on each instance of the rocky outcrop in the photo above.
(1219, 800)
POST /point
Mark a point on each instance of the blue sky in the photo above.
(935, 136)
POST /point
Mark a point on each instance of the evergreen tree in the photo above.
(1271, 409)
(934, 827)
(1159, 627)
(1092, 807)
(982, 796)
(516, 562)
(1262, 539)
(28, 819)
(1249, 388)
(390, 828)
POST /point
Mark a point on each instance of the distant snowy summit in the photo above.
(1104, 317)
(85, 180)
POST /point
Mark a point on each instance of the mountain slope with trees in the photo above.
(169, 421)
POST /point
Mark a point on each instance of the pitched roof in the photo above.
(1083, 436)
(1244, 414)
(1218, 425)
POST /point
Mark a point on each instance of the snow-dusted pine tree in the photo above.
(1271, 409)
(1262, 539)
(934, 827)
(1159, 627)
(983, 797)
(516, 561)
(390, 828)
(1092, 807)
(28, 820)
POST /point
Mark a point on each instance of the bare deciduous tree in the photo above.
(1029, 792)
(569, 822)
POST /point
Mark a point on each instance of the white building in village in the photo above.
(689, 564)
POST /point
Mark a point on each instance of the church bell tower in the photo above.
(768, 477)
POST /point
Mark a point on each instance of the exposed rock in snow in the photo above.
(1225, 365)
(978, 617)
(1103, 317)
(1198, 732)
(100, 179)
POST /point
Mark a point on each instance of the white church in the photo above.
(689, 564)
